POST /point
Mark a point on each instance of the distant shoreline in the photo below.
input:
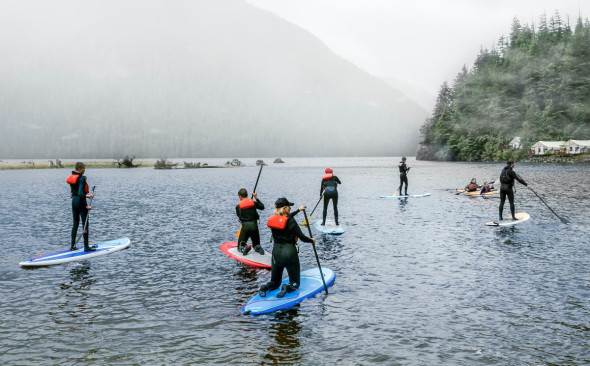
(558, 159)
(31, 164)
(11, 165)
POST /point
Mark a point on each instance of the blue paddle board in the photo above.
(408, 196)
(65, 256)
(330, 228)
(311, 284)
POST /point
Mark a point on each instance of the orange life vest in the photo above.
(73, 180)
(246, 203)
(277, 222)
(327, 176)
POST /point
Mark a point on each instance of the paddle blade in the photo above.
(564, 221)
(238, 233)
(304, 222)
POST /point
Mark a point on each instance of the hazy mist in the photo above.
(185, 79)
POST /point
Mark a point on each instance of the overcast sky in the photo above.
(423, 42)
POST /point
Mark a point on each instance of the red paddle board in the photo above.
(252, 258)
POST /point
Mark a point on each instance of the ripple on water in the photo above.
(418, 281)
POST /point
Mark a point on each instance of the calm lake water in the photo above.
(418, 282)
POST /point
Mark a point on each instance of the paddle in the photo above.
(316, 253)
(564, 221)
(304, 223)
(254, 190)
(85, 227)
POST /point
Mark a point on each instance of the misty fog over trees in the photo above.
(185, 79)
(534, 84)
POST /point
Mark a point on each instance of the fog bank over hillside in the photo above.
(185, 79)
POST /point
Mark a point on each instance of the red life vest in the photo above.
(73, 179)
(277, 222)
(246, 203)
(472, 187)
(327, 176)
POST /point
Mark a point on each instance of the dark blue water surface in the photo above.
(420, 281)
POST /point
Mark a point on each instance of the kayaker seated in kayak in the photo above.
(472, 186)
(485, 188)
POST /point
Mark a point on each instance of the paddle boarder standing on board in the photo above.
(507, 178)
(403, 177)
(329, 190)
(285, 232)
(80, 208)
(246, 211)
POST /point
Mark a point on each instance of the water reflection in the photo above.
(329, 247)
(284, 329)
(402, 204)
(75, 293)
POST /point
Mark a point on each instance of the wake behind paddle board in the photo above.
(253, 258)
(408, 196)
(311, 284)
(65, 256)
(520, 218)
(330, 228)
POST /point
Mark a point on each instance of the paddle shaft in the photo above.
(86, 221)
(312, 211)
(315, 252)
(550, 209)
(255, 185)
(316, 206)
(542, 200)
(257, 178)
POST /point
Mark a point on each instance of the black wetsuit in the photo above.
(284, 254)
(403, 177)
(507, 178)
(79, 210)
(249, 219)
(329, 190)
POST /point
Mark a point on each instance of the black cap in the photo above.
(282, 202)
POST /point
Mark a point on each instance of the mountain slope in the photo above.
(187, 79)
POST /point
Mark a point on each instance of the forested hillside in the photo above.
(535, 84)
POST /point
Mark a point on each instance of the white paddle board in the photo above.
(65, 256)
(520, 218)
(330, 228)
(408, 196)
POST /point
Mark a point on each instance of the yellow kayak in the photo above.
(476, 193)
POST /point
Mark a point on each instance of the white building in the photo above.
(541, 147)
(515, 143)
(577, 146)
